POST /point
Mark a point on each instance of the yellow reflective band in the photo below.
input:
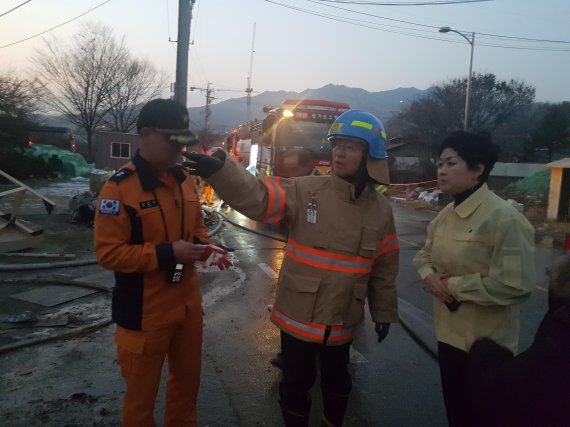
(362, 124)
(336, 127)
(381, 188)
(383, 133)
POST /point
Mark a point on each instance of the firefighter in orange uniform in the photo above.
(342, 248)
(149, 230)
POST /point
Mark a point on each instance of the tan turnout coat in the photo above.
(349, 254)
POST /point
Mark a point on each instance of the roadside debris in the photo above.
(26, 316)
(82, 208)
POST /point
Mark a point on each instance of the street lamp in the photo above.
(471, 41)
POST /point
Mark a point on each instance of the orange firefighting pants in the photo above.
(141, 355)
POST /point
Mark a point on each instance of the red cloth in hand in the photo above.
(214, 255)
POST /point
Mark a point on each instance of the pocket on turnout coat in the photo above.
(297, 295)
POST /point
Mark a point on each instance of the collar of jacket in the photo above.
(468, 206)
(146, 175)
(346, 190)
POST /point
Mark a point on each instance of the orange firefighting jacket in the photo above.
(138, 217)
(335, 258)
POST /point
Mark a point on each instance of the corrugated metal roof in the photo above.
(562, 163)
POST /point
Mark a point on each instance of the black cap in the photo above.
(168, 117)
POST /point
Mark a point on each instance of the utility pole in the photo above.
(207, 112)
(181, 84)
(248, 90)
(471, 42)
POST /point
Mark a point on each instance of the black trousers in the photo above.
(454, 371)
(300, 371)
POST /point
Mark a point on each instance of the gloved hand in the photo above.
(382, 330)
(214, 255)
(202, 165)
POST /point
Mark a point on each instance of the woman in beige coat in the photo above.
(477, 262)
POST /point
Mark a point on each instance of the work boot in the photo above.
(295, 418)
(334, 408)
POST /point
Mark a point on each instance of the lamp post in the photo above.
(471, 41)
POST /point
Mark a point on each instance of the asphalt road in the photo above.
(75, 381)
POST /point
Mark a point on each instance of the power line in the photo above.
(361, 23)
(374, 26)
(436, 27)
(196, 59)
(57, 26)
(545, 49)
(195, 21)
(371, 15)
(521, 38)
(403, 3)
(168, 19)
(14, 8)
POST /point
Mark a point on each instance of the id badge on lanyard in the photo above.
(312, 210)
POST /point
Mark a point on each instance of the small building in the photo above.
(505, 173)
(409, 161)
(559, 195)
(114, 149)
(60, 137)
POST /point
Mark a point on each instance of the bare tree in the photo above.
(137, 82)
(19, 97)
(19, 104)
(79, 76)
(493, 101)
(552, 133)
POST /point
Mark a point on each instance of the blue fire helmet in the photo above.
(363, 126)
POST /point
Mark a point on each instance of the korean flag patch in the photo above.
(109, 207)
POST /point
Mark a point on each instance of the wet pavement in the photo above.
(64, 372)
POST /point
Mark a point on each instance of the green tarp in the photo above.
(538, 184)
(67, 163)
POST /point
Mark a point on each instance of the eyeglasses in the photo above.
(347, 146)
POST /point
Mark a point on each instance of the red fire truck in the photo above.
(292, 139)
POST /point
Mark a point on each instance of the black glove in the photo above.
(382, 330)
(202, 165)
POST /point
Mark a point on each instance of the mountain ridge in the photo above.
(230, 113)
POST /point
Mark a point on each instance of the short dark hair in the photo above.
(475, 148)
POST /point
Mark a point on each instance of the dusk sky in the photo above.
(297, 48)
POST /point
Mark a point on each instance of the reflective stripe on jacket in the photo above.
(346, 252)
(313, 332)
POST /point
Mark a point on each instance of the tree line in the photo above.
(92, 80)
(95, 82)
(505, 109)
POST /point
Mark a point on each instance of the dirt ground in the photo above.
(61, 236)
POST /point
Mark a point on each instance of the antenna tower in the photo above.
(248, 90)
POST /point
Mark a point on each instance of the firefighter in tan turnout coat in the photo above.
(342, 248)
